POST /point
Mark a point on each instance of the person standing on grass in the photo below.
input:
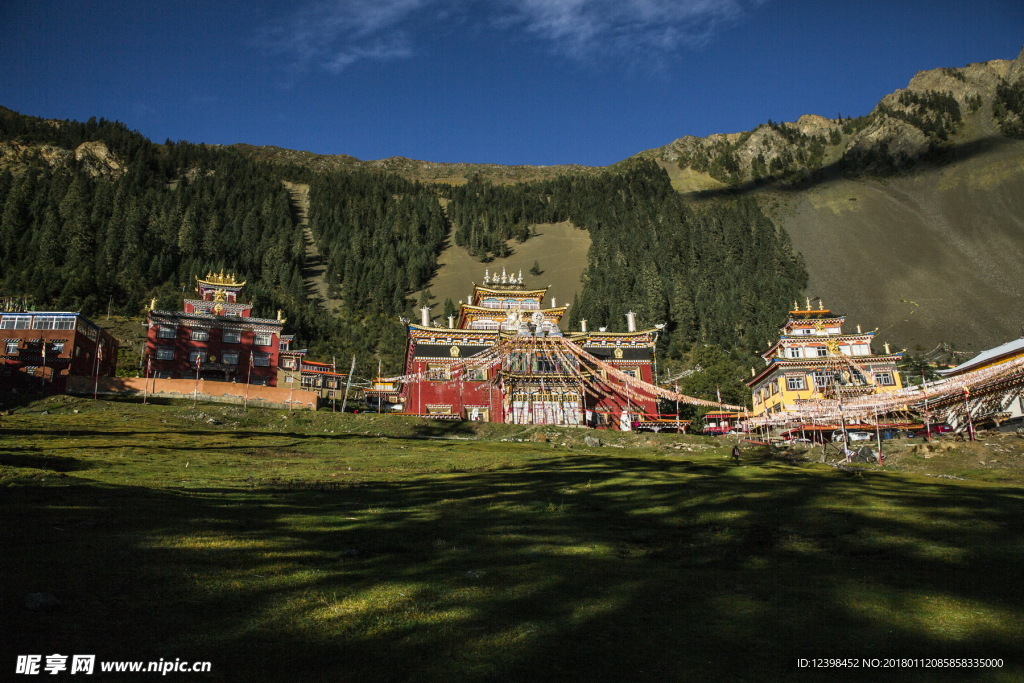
(736, 452)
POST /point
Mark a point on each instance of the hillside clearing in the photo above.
(560, 249)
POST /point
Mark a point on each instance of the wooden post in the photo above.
(878, 438)
(348, 383)
(248, 380)
(99, 355)
(967, 409)
(927, 420)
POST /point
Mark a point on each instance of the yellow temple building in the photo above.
(815, 359)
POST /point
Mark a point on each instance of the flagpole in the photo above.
(967, 409)
(344, 401)
(927, 420)
(99, 357)
(195, 392)
(248, 379)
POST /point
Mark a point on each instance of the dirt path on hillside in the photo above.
(314, 270)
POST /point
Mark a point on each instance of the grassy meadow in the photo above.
(320, 546)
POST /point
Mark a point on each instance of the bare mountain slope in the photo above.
(911, 219)
(929, 257)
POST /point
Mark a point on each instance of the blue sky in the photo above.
(484, 81)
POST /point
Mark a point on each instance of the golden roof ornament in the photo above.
(808, 303)
(220, 278)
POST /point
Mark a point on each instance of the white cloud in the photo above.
(334, 34)
(583, 27)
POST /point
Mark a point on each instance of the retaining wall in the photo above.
(203, 390)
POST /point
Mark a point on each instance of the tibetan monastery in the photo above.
(814, 359)
(215, 337)
(505, 359)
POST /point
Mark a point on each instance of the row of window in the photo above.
(55, 348)
(510, 304)
(807, 330)
(227, 358)
(226, 336)
(37, 322)
(822, 352)
(821, 380)
(441, 372)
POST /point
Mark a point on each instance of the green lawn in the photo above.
(335, 547)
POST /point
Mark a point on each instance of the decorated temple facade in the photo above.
(505, 358)
(214, 337)
(815, 359)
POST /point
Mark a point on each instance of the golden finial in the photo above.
(886, 345)
(152, 304)
(808, 303)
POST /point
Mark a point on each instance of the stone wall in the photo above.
(203, 390)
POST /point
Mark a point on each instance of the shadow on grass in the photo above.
(550, 568)
(39, 459)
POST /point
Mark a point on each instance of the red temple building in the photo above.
(50, 346)
(506, 359)
(215, 337)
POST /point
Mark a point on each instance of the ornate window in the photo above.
(199, 335)
(438, 372)
(166, 332)
(262, 339)
(162, 352)
(230, 336)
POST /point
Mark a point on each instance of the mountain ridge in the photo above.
(923, 193)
